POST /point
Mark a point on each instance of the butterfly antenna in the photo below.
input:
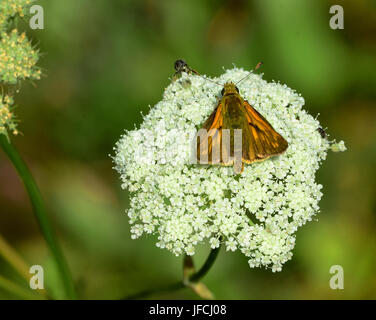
(257, 66)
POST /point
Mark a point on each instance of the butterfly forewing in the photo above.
(261, 140)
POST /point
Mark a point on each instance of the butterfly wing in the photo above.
(210, 144)
(260, 140)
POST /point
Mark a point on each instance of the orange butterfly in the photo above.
(234, 123)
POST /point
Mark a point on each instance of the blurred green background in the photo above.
(106, 61)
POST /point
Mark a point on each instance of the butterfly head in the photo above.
(229, 88)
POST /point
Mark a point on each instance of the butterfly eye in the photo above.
(237, 89)
(223, 91)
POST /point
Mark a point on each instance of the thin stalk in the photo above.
(196, 277)
(17, 262)
(17, 290)
(41, 215)
(14, 259)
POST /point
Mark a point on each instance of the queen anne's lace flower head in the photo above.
(256, 212)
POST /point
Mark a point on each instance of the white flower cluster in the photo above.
(256, 212)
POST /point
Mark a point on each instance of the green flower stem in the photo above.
(206, 266)
(40, 214)
(197, 276)
(19, 291)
